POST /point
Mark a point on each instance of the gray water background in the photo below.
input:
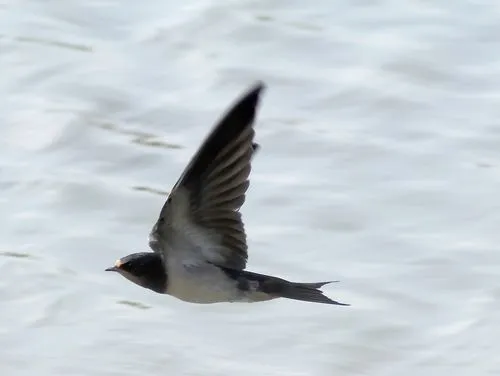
(380, 134)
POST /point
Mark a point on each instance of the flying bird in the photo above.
(199, 241)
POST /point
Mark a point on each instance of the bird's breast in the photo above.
(202, 284)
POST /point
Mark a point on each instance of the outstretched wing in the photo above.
(201, 222)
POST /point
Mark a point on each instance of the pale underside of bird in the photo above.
(199, 241)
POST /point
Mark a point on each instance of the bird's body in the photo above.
(201, 284)
(199, 241)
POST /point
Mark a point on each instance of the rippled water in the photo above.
(379, 167)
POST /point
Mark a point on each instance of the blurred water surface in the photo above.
(379, 167)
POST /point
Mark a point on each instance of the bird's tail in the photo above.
(309, 292)
(273, 287)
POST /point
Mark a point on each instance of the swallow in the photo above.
(199, 241)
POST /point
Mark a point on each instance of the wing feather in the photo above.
(201, 222)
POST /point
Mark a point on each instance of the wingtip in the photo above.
(258, 86)
(255, 147)
(256, 90)
(246, 105)
(244, 109)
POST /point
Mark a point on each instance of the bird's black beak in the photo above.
(112, 269)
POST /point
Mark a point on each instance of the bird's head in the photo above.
(145, 269)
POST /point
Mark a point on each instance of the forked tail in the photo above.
(309, 292)
(274, 287)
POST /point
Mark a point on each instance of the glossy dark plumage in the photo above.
(199, 240)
